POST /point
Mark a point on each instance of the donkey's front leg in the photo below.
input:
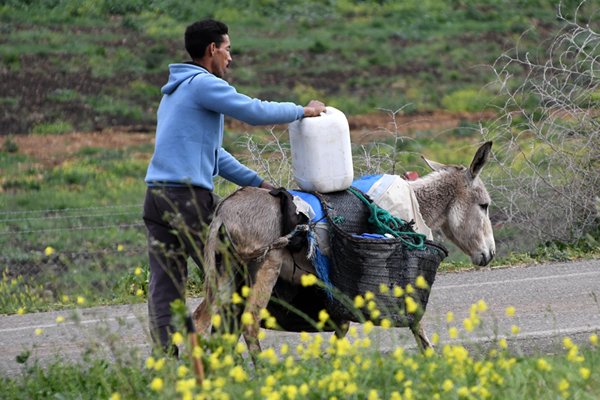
(418, 332)
(264, 281)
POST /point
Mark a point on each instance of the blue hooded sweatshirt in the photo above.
(189, 132)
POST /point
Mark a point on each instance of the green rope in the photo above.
(385, 222)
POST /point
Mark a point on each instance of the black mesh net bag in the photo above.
(397, 272)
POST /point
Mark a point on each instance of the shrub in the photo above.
(52, 128)
(548, 136)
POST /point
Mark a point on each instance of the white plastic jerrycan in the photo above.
(321, 152)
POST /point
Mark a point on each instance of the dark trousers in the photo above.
(175, 218)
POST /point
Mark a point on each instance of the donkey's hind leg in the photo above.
(264, 281)
(418, 332)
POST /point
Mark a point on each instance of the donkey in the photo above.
(452, 199)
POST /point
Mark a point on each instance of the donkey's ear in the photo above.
(480, 159)
(435, 166)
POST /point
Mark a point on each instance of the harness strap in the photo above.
(279, 243)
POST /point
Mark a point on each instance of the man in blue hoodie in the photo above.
(188, 154)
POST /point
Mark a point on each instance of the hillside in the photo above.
(87, 66)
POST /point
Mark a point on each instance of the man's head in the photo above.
(207, 42)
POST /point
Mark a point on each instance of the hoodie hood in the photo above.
(179, 73)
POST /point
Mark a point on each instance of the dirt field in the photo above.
(54, 148)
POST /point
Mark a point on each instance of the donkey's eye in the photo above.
(484, 206)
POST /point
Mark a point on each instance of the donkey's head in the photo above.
(462, 206)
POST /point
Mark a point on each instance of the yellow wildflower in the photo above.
(585, 373)
(568, 343)
(510, 311)
(563, 385)
(323, 316)
(573, 355)
(182, 371)
(386, 323)
(49, 250)
(351, 389)
(450, 317)
(157, 384)
(139, 293)
(80, 300)
(39, 331)
(138, 271)
(368, 327)
(398, 353)
(308, 280)
(115, 396)
(421, 283)
(65, 298)
(120, 247)
(247, 318)
(238, 374)
(482, 306)
(503, 343)
(177, 339)
(21, 311)
(185, 385)
(594, 340)
(236, 298)
(447, 385)
(245, 291)
(60, 319)
(240, 347)
(216, 320)
(463, 391)
(373, 395)
(150, 361)
(383, 288)
(515, 329)
(453, 332)
(409, 289)
(359, 301)
(411, 305)
(369, 295)
(197, 352)
(543, 365)
(269, 355)
(398, 291)
(468, 324)
(159, 364)
(435, 338)
(285, 348)
(395, 396)
(291, 391)
(399, 376)
(304, 389)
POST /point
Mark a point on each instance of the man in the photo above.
(188, 154)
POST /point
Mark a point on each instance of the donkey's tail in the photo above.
(203, 313)
(210, 252)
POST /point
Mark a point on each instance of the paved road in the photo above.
(552, 301)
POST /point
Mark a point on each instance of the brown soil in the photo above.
(52, 149)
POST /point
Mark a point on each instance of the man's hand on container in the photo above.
(314, 108)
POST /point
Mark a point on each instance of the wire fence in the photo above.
(97, 253)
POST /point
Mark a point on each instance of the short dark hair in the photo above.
(202, 33)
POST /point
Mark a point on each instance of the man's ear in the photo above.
(210, 49)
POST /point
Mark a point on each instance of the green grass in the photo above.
(323, 366)
(353, 52)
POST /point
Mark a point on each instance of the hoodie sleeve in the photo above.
(217, 95)
(234, 171)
